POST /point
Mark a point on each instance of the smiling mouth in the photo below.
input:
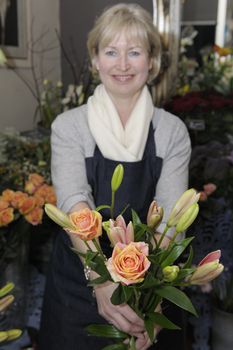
(123, 78)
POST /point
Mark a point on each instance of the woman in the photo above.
(118, 124)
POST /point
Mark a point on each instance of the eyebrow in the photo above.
(130, 48)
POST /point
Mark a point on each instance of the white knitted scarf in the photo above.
(114, 141)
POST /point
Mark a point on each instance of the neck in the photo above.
(124, 106)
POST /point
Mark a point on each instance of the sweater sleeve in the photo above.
(173, 145)
(68, 162)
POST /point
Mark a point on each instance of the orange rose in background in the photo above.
(3, 203)
(18, 199)
(87, 223)
(34, 217)
(27, 205)
(8, 195)
(6, 216)
(129, 263)
(36, 179)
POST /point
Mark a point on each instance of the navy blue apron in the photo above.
(68, 303)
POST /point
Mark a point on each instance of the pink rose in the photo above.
(129, 263)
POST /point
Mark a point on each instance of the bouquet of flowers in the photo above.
(145, 272)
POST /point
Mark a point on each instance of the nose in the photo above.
(123, 62)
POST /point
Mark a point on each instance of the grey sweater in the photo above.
(72, 142)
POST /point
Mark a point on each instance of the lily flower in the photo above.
(188, 198)
(208, 269)
(117, 231)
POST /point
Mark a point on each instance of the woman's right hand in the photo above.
(121, 316)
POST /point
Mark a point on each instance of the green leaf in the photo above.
(162, 320)
(118, 296)
(119, 346)
(183, 274)
(176, 250)
(188, 263)
(128, 292)
(101, 207)
(135, 218)
(149, 282)
(106, 331)
(139, 232)
(149, 324)
(97, 264)
(177, 297)
(98, 280)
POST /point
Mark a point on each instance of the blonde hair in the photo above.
(135, 22)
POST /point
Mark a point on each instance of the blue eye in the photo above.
(111, 53)
(134, 53)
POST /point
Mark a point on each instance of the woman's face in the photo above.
(123, 67)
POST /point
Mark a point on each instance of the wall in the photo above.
(17, 105)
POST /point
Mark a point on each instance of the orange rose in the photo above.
(39, 201)
(18, 199)
(36, 179)
(34, 217)
(129, 263)
(30, 187)
(87, 223)
(3, 203)
(8, 195)
(27, 205)
(6, 216)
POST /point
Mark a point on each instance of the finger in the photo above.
(131, 315)
(142, 343)
(123, 324)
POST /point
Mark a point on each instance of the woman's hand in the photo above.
(121, 316)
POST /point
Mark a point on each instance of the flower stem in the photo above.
(88, 247)
(162, 237)
(173, 237)
(98, 248)
(112, 205)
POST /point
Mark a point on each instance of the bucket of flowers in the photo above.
(146, 273)
(20, 210)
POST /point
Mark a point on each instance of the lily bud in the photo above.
(3, 336)
(170, 273)
(117, 177)
(188, 198)
(187, 218)
(154, 215)
(208, 269)
(6, 289)
(13, 334)
(5, 302)
(58, 216)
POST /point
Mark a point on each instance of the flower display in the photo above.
(146, 273)
(28, 204)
